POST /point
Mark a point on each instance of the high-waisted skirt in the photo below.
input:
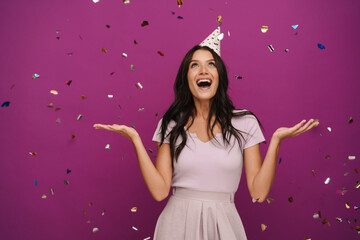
(198, 215)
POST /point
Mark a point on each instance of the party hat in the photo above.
(213, 40)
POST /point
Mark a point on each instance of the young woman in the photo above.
(203, 143)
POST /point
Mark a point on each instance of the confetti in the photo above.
(126, 2)
(160, 53)
(313, 172)
(124, 55)
(43, 196)
(352, 157)
(104, 50)
(180, 2)
(110, 96)
(103, 213)
(263, 227)
(280, 160)
(144, 23)
(50, 105)
(357, 185)
(141, 109)
(57, 109)
(90, 204)
(147, 238)
(108, 26)
(83, 97)
(32, 153)
(286, 50)
(133, 209)
(269, 200)
(68, 171)
(68, 82)
(321, 46)
(180, 17)
(5, 104)
(347, 205)
(135, 42)
(350, 120)
(133, 125)
(340, 192)
(52, 191)
(35, 76)
(327, 157)
(138, 85)
(35, 181)
(356, 208)
(79, 117)
(238, 77)
(219, 19)
(339, 219)
(150, 150)
(329, 129)
(66, 182)
(291, 199)
(107, 147)
(134, 228)
(345, 174)
(72, 136)
(156, 114)
(294, 26)
(327, 180)
(95, 229)
(264, 29)
(112, 73)
(132, 67)
(355, 170)
(229, 33)
(88, 221)
(271, 48)
(317, 215)
(326, 222)
(96, 1)
(58, 120)
(84, 212)
(307, 238)
(54, 92)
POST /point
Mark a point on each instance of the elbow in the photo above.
(161, 196)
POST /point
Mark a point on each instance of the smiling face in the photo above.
(203, 77)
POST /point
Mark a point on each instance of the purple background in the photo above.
(280, 88)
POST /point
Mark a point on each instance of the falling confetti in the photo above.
(84, 212)
(147, 238)
(327, 157)
(339, 219)
(110, 96)
(286, 50)
(355, 170)
(144, 23)
(43, 196)
(124, 55)
(291, 199)
(104, 50)
(32, 153)
(160, 53)
(263, 227)
(68, 82)
(356, 208)
(132, 67)
(347, 205)
(36, 182)
(180, 2)
(50, 105)
(108, 26)
(321, 46)
(135, 42)
(264, 29)
(238, 77)
(58, 120)
(357, 185)
(180, 17)
(352, 157)
(327, 180)
(317, 215)
(126, 2)
(79, 117)
(83, 97)
(294, 26)
(345, 174)
(280, 160)
(35, 76)
(156, 114)
(57, 109)
(90, 204)
(72, 136)
(66, 182)
(133, 209)
(134, 228)
(138, 85)
(107, 147)
(54, 92)
(329, 129)
(269, 200)
(52, 191)
(150, 150)
(68, 171)
(103, 213)
(271, 48)
(326, 222)
(350, 120)
(313, 172)
(5, 104)
(219, 19)
(95, 229)
(141, 109)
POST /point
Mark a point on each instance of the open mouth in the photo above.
(204, 83)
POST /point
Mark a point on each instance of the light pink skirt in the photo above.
(197, 215)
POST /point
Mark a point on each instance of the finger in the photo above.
(309, 125)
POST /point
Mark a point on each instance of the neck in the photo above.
(202, 109)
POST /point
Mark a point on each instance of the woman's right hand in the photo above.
(129, 132)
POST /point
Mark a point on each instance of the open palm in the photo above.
(284, 132)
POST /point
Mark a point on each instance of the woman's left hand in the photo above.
(283, 132)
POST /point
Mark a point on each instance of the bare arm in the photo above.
(157, 178)
(260, 175)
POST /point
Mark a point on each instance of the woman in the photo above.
(202, 144)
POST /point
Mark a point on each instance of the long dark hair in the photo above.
(183, 106)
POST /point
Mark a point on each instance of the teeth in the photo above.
(203, 80)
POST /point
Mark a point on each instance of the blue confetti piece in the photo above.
(280, 160)
(35, 182)
(321, 46)
(294, 26)
(180, 17)
(35, 76)
(5, 104)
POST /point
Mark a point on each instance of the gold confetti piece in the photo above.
(219, 19)
(313, 172)
(32, 153)
(79, 117)
(356, 171)
(291, 199)
(126, 2)
(103, 213)
(327, 157)
(51, 105)
(229, 33)
(43, 196)
(90, 204)
(88, 221)
(326, 222)
(54, 92)
(52, 191)
(329, 129)
(327, 180)
(271, 48)
(180, 2)
(95, 229)
(104, 50)
(73, 136)
(107, 147)
(132, 67)
(110, 96)
(124, 55)
(134, 228)
(269, 200)
(357, 185)
(350, 120)
(352, 157)
(66, 182)
(345, 174)
(141, 109)
(134, 209)
(84, 212)
(264, 29)
(135, 42)
(263, 227)
(347, 205)
(57, 109)
(83, 97)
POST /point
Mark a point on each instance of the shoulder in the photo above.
(242, 118)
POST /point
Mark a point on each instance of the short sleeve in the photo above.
(254, 133)
(157, 134)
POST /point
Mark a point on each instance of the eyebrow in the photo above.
(194, 60)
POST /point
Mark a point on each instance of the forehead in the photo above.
(202, 54)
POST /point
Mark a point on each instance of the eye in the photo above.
(212, 64)
(193, 65)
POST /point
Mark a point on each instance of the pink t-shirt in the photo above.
(205, 166)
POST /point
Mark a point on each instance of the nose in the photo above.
(203, 70)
